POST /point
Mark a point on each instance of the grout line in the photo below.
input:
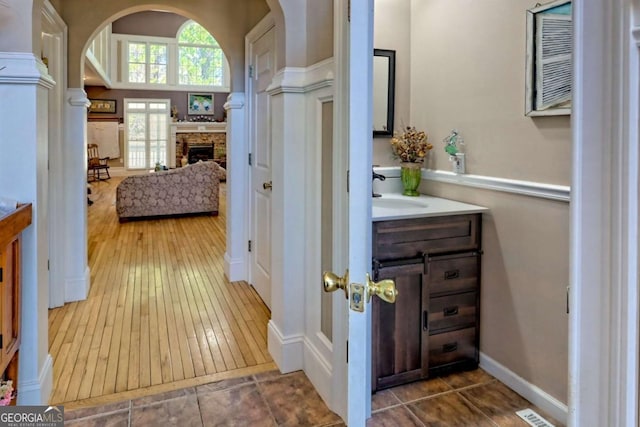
(478, 409)
(130, 411)
(414, 415)
(264, 400)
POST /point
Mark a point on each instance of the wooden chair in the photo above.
(96, 164)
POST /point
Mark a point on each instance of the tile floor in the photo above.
(270, 399)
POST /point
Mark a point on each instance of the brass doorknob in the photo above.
(267, 185)
(384, 289)
(332, 282)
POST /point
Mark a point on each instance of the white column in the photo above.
(235, 258)
(288, 115)
(75, 197)
(24, 90)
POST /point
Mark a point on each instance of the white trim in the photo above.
(24, 68)
(318, 369)
(37, 392)
(287, 352)
(235, 257)
(77, 288)
(531, 392)
(303, 80)
(525, 188)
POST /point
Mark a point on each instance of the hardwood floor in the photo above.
(160, 314)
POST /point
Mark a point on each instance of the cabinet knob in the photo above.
(384, 289)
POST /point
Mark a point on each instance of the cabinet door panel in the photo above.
(397, 329)
(452, 312)
(453, 273)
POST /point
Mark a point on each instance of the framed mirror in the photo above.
(549, 67)
(384, 82)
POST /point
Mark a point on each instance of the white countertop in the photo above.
(396, 206)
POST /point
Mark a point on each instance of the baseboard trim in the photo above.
(37, 392)
(531, 392)
(234, 268)
(287, 352)
(77, 288)
(318, 370)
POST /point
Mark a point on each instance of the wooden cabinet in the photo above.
(11, 226)
(433, 327)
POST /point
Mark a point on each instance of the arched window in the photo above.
(201, 61)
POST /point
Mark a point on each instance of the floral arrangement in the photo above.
(6, 392)
(410, 146)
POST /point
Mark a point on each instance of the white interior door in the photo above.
(360, 60)
(261, 74)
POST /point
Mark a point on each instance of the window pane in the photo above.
(158, 54)
(194, 33)
(158, 106)
(137, 73)
(137, 52)
(136, 106)
(158, 74)
(200, 66)
(157, 126)
(137, 125)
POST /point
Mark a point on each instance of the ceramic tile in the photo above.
(420, 389)
(103, 409)
(294, 402)
(500, 403)
(238, 406)
(114, 419)
(399, 416)
(182, 411)
(450, 410)
(383, 399)
(269, 375)
(174, 394)
(467, 378)
(224, 384)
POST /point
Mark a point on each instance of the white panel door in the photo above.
(263, 69)
(359, 220)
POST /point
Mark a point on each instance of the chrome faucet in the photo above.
(381, 178)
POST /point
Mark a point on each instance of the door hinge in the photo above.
(1, 344)
(250, 159)
(349, 11)
(568, 297)
(347, 351)
(249, 246)
(1, 275)
(348, 180)
(250, 71)
(48, 264)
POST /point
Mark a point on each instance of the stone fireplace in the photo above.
(199, 141)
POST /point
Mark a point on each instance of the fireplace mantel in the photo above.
(192, 127)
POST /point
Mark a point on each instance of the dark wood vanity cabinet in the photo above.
(433, 327)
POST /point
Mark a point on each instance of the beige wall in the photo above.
(468, 73)
(149, 23)
(227, 20)
(467, 65)
(391, 30)
(319, 31)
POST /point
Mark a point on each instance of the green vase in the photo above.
(410, 174)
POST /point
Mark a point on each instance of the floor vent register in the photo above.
(534, 419)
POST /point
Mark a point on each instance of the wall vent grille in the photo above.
(533, 418)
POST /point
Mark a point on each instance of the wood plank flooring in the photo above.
(160, 313)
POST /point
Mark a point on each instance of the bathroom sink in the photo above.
(398, 202)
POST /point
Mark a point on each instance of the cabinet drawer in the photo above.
(411, 238)
(452, 347)
(453, 273)
(452, 312)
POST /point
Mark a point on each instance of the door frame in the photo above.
(603, 320)
(266, 24)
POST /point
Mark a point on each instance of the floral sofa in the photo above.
(190, 189)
